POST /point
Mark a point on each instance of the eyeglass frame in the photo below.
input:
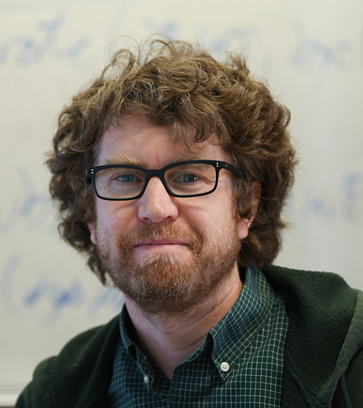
(160, 174)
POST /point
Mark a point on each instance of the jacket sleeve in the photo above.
(39, 393)
(354, 380)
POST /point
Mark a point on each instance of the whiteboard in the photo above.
(310, 53)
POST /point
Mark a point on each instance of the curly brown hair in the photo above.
(178, 84)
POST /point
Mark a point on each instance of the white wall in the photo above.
(311, 53)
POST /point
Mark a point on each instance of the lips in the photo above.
(159, 243)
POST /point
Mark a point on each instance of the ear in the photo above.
(92, 230)
(245, 223)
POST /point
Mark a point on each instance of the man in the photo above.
(171, 171)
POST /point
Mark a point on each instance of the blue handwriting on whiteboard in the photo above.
(346, 205)
(316, 55)
(48, 298)
(33, 208)
(353, 193)
(30, 50)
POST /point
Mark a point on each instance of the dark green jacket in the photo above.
(324, 351)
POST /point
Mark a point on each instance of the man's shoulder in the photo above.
(296, 279)
(310, 287)
(77, 369)
(325, 336)
(88, 343)
(86, 353)
(321, 301)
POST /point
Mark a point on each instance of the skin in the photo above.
(166, 338)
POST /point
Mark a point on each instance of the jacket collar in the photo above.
(320, 333)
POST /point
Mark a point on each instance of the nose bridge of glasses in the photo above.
(159, 173)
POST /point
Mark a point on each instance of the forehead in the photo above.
(137, 141)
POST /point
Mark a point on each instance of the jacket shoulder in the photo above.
(300, 281)
(354, 379)
(325, 336)
(38, 393)
(64, 380)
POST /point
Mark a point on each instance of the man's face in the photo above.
(165, 253)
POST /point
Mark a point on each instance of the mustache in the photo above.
(161, 232)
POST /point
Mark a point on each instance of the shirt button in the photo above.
(146, 379)
(224, 366)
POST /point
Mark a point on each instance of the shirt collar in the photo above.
(126, 329)
(237, 329)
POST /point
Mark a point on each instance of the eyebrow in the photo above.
(122, 159)
(133, 161)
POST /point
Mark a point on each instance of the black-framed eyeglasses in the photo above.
(185, 179)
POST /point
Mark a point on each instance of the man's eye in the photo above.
(126, 178)
(187, 178)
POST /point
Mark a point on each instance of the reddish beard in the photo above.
(160, 283)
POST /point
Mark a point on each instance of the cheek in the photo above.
(114, 218)
(102, 222)
(215, 221)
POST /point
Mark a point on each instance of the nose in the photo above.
(156, 205)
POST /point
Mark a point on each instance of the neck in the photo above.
(170, 340)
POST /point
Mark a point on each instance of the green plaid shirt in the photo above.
(240, 362)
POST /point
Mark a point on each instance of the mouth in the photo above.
(159, 243)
